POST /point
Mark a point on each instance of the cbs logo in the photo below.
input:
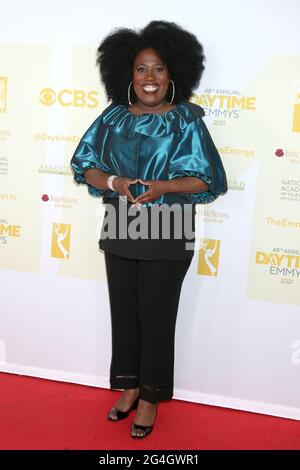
(76, 98)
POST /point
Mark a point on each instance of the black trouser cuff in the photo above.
(147, 393)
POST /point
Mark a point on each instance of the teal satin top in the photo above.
(152, 146)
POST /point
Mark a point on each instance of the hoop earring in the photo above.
(173, 94)
(128, 93)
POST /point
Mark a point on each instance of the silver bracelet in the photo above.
(110, 180)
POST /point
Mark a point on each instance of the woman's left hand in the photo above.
(155, 189)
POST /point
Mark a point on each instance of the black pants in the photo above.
(144, 297)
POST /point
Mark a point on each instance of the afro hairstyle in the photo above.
(178, 49)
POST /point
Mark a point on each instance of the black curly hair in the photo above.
(178, 49)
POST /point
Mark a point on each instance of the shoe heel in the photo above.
(135, 404)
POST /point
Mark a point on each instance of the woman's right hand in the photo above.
(121, 185)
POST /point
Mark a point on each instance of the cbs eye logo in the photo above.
(66, 98)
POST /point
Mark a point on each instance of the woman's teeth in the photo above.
(150, 88)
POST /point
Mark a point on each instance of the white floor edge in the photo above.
(272, 409)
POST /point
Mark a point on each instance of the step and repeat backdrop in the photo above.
(238, 328)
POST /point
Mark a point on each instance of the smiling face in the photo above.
(150, 79)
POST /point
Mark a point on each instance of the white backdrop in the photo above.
(238, 329)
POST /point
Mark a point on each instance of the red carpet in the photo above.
(44, 414)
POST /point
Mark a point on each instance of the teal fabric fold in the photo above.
(124, 123)
(152, 146)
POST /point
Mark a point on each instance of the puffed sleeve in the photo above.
(198, 156)
(90, 153)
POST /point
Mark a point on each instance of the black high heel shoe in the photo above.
(139, 427)
(122, 414)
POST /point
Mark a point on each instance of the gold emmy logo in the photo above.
(208, 260)
(296, 117)
(61, 234)
(3, 94)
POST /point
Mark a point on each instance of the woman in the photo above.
(148, 149)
